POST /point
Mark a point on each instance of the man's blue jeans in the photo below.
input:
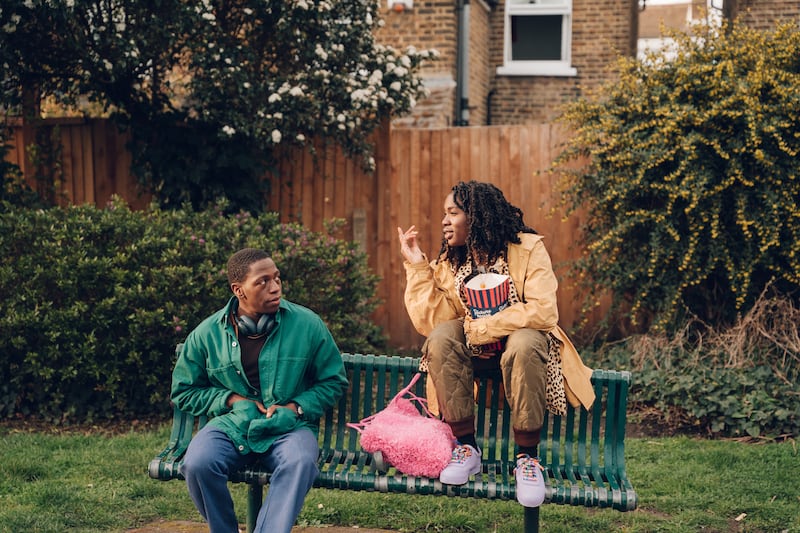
(210, 458)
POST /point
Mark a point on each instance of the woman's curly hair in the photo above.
(492, 223)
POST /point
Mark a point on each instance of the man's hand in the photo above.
(269, 411)
(233, 398)
(274, 407)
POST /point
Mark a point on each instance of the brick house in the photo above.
(672, 14)
(678, 14)
(763, 14)
(509, 61)
(517, 61)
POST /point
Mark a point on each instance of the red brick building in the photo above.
(517, 61)
(510, 61)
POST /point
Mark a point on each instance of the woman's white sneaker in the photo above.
(530, 481)
(464, 462)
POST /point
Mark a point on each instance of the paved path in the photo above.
(184, 526)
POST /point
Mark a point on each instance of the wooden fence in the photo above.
(93, 161)
(415, 171)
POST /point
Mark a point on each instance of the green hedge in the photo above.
(94, 300)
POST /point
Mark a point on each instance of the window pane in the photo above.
(536, 38)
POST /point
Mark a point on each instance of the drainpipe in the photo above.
(462, 64)
(489, 107)
(729, 10)
(633, 41)
(492, 5)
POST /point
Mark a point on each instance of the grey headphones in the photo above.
(250, 327)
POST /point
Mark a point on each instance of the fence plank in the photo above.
(84, 174)
(71, 165)
(106, 172)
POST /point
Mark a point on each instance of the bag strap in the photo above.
(407, 388)
(359, 426)
(423, 402)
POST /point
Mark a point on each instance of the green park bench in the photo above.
(583, 452)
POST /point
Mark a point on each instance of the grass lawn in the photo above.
(96, 482)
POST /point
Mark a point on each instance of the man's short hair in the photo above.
(239, 263)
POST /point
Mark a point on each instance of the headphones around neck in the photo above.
(250, 327)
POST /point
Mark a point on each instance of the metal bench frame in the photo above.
(583, 452)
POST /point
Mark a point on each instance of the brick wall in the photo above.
(480, 68)
(763, 14)
(431, 24)
(601, 30)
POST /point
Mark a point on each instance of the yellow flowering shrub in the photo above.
(687, 166)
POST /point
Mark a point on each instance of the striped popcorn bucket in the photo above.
(486, 295)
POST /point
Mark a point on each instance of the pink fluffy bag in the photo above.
(418, 444)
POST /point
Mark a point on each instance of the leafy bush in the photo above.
(718, 401)
(740, 381)
(186, 161)
(94, 300)
(691, 179)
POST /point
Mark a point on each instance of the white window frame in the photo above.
(561, 67)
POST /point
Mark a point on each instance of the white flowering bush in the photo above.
(292, 70)
(209, 89)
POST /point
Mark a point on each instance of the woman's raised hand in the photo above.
(409, 246)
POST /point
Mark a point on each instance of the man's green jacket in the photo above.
(299, 362)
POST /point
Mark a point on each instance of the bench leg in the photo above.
(531, 521)
(255, 495)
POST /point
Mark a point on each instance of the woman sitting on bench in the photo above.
(483, 232)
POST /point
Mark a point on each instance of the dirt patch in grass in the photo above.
(106, 427)
(184, 526)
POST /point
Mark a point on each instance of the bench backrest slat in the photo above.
(620, 416)
(582, 423)
(597, 416)
(569, 444)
